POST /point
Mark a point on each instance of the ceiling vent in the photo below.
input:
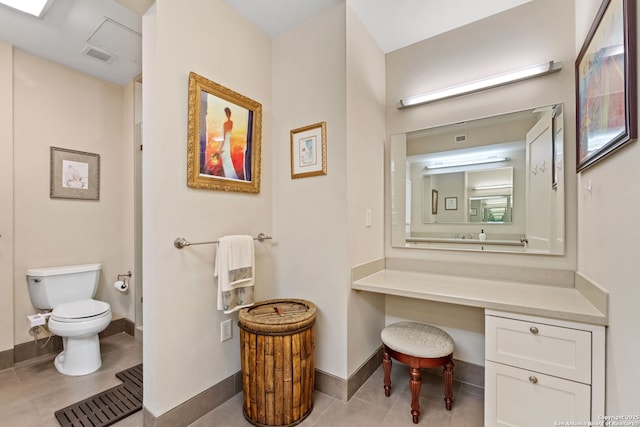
(98, 54)
(459, 139)
(113, 38)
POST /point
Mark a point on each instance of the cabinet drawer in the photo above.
(529, 399)
(548, 349)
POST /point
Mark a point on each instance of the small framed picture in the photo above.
(473, 211)
(450, 203)
(309, 151)
(434, 202)
(74, 175)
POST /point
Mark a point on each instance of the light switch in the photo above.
(368, 217)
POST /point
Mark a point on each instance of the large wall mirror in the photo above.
(492, 184)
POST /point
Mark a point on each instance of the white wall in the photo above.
(365, 182)
(57, 106)
(320, 221)
(183, 355)
(310, 214)
(608, 233)
(525, 35)
(6, 196)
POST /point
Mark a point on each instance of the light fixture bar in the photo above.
(32, 7)
(482, 84)
(492, 187)
(442, 164)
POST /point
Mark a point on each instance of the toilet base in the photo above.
(81, 356)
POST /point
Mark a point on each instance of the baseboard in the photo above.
(341, 389)
(6, 359)
(30, 350)
(205, 402)
(464, 372)
(198, 406)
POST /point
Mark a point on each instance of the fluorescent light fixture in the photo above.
(482, 84)
(464, 162)
(496, 202)
(32, 7)
(492, 187)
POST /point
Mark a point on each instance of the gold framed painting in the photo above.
(224, 136)
(309, 151)
(74, 175)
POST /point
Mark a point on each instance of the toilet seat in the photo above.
(80, 311)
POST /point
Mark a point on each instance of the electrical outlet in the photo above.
(225, 330)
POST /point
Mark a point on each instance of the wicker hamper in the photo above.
(277, 350)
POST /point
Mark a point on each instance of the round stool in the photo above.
(418, 345)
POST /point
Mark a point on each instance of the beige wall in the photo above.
(6, 197)
(183, 354)
(525, 35)
(608, 253)
(56, 106)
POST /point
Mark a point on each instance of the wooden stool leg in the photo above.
(414, 384)
(386, 365)
(448, 384)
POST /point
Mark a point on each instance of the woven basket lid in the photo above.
(278, 315)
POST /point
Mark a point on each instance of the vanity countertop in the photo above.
(565, 303)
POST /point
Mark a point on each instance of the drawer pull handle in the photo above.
(533, 380)
(533, 330)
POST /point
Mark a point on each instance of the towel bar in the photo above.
(181, 242)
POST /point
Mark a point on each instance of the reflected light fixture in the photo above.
(32, 7)
(482, 84)
(492, 187)
(464, 162)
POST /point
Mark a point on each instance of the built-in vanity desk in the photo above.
(544, 344)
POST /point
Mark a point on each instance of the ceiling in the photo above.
(103, 38)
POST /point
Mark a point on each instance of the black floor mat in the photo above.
(108, 407)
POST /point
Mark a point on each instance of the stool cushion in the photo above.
(417, 339)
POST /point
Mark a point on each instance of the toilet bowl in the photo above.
(76, 316)
(79, 323)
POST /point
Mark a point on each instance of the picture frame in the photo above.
(606, 84)
(74, 174)
(434, 202)
(309, 151)
(557, 144)
(473, 211)
(450, 203)
(224, 134)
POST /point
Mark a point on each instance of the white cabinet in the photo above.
(539, 370)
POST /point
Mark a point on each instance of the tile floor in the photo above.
(32, 391)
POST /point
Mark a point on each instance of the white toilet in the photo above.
(76, 317)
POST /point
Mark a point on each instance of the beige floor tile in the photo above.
(431, 414)
(469, 410)
(33, 390)
(354, 413)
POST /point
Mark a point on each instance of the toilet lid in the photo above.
(81, 309)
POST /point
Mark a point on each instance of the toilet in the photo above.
(76, 316)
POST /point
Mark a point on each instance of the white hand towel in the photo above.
(234, 266)
(241, 259)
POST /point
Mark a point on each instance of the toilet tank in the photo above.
(51, 286)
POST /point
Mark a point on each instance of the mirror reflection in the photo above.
(491, 184)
